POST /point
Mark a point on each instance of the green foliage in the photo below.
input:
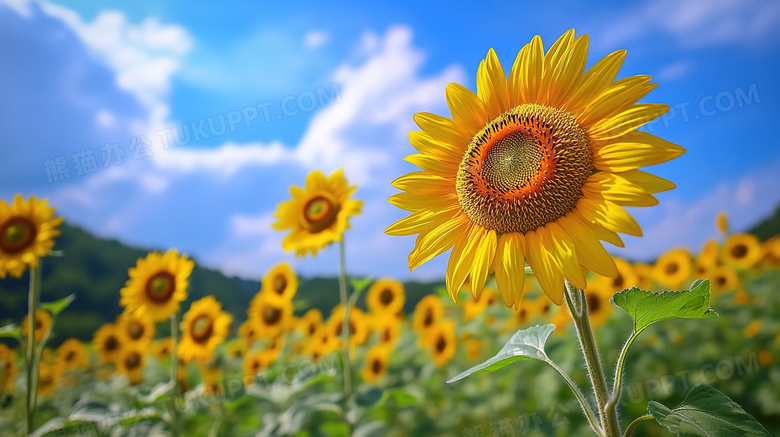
(525, 344)
(647, 307)
(707, 412)
(56, 307)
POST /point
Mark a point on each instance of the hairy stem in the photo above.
(345, 329)
(633, 426)
(592, 421)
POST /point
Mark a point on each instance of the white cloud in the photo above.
(696, 23)
(144, 56)
(315, 39)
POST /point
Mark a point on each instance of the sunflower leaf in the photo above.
(58, 306)
(648, 307)
(358, 285)
(525, 344)
(12, 331)
(709, 413)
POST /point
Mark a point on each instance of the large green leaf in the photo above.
(525, 344)
(58, 306)
(647, 307)
(707, 412)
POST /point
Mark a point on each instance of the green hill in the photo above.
(767, 228)
(96, 269)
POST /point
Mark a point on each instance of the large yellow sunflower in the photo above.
(134, 327)
(535, 168)
(157, 284)
(27, 231)
(386, 296)
(42, 324)
(281, 281)
(203, 328)
(318, 214)
(107, 343)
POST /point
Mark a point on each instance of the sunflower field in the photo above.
(528, 334)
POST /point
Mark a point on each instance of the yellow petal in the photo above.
(638, 149)
(565, 256)
(421, 221)
(442, 129)
(413, 202)
(626, 121)
(466, 108)
(459, 264)
(567, 74)
(438, 240)
(618, 96)
(509, 265)
(434, 165)
(651, 183)
(526, 76)
(609, 215)
(615, 188)
(592, 254)
(423, 183)
(425, 144)
(491, 85)
(595, 81)
(483, 258)
(540, 259)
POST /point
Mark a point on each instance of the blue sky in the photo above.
(339, 84)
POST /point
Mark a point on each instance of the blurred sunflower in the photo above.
(204, 327)
(72, 354)
(535, 168)
(161, 349)
(626, 277)
(724, 279)
(49, 375)
(388, 330)
(771, 253)
(8, 368)
(248, 333)
(310, 321)
(157, 284)
(753, 329)
(269, 315)
(107, 343)
(442, 343)
(131, 361)
(235, 348)
(427, 314)
(42, 324)
(599, 307)
(27, 232)
(212, 377)
(741, 298)
(358, 325)
(519, 317)
(135, 327)
(644, 275)
(321, 343)
(672, 268)
(386, 296)
(742, 251)
(376, 363)
(318, 214)
(281, 281)
(473, 348)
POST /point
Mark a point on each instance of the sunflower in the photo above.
(107, 343)
(427, 314)
(27, 231)
(235, 348)
(742, 251)
(318, 214)
(135, 327)
(8, 368)
(473, 348)
(322, 343)
(722, 223)
(161, 349)
(535, 168)
(441, 343)
(72, 355)
(644, 275)
(599, 307)
(520, 316)
(42, 324)
(204, 327)
(157, 284)
(131, 361)
(310, 321)
(672, 268)
(270, 315)
(771, 253)
(625, 278)
(358, 326)
(258, 361)
(388, 330)
(724, 279)
(473, 307)
(386, 296)
(376, 363)
(49, 374)
(281, 281)
(248, 332)
(211, 375)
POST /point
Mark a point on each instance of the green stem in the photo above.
(594, 424)
(174, 372)
(32, 365)
(578, 307)
(345, 329)
(617, 388)
(633, 426)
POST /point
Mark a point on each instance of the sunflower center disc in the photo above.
(441, 344)
(376, 366)
(111, 344)
(279, 284)
(201, 328)
(16, 234)
(739, 251)
(271, 315)
(386, 297)
(524, 169)
(136, 330)
(319, 213)
(133, 360)
(160, 287)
